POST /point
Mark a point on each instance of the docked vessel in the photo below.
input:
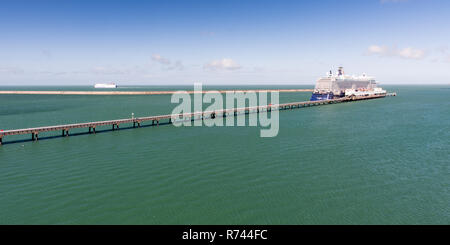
(105, 85)
(340, 85)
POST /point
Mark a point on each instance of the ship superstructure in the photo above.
(105, 85)
(340, 85)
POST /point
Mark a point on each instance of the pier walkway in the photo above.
(186, 116)
(144, 92)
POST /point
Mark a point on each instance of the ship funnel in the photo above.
(341, 71)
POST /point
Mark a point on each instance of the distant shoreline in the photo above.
(145, 92)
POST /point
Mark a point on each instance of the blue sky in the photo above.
(222, 42)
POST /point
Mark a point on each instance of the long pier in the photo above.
(91, 126)
(144, 92)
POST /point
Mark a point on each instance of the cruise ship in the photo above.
(105, 85)
(339, 85)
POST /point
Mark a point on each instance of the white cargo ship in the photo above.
(105, 85)
(340, 85)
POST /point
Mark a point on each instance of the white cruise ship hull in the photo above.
(105, 85)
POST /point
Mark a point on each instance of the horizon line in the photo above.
(206, 84)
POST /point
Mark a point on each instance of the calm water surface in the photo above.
(384, 161)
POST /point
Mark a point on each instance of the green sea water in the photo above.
(384, 161)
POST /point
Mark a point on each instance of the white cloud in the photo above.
(168, 65)
(406, 53)
(411, 53)
(443, 54)
(176, 66)
(375, 49)
(47, 54)
(160, 59)
(447, 59)
(223, 64)
(11, 70)
(443, 49)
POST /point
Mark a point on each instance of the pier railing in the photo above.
(136, 121)
(39, 92)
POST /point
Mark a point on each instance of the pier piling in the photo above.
(203, 115)
(145, 92)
